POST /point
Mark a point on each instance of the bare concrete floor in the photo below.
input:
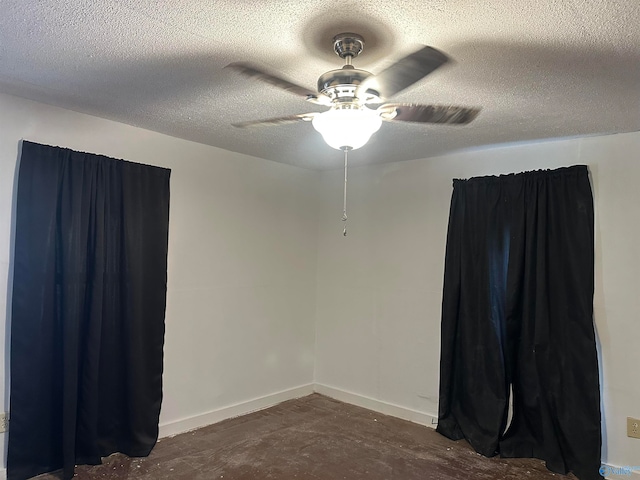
(313, 438)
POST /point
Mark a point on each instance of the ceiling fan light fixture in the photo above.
(347, 128)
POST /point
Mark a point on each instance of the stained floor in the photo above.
(313, 438)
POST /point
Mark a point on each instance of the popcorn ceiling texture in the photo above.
(538, 69)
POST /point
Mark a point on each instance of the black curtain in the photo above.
(517, 313)
(87, 322)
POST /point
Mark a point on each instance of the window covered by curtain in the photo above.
(87, 323)
(517, 314)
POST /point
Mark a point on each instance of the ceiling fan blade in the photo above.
(403, 73)
(408, 112)
(301, 117)
(253, 71)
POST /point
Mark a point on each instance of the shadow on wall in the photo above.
(600, 313)
(7, 328)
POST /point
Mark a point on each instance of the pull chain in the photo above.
(344, 204)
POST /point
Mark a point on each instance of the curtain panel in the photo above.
(88, 306)
(517, 315)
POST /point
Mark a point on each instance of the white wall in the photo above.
(380, 288)
(242, 258)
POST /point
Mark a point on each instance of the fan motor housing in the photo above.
(343, 82)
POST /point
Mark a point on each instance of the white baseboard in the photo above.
(190, 423)
(197, 421)
(377, 405)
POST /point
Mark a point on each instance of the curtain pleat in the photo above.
(89, 296)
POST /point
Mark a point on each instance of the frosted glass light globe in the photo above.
(347, 128)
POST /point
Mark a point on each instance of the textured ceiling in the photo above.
(538, 69)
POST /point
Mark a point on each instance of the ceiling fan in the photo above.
(349, 92)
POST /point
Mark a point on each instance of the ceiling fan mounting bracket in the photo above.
(348, 45)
